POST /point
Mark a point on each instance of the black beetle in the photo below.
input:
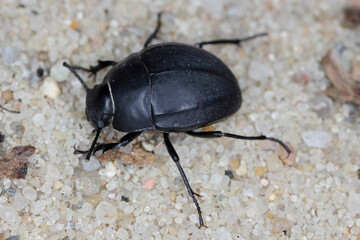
(169, 87)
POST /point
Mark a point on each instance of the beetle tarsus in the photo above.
(176, 159)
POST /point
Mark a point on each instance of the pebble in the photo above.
(8, 214)
(148, 146)
(29, 193)
(354, 203)
(13, 237)
(319, 139)
(274, 163)
(264, 182)
(92, 165)
(106, 212)
(9, 55)
(216, 179)
(242, 170)
(110, 170)
(50, 88)
(88, 183)
(234, 163)
(38, 119)
(11, 191)
(259, 171)
(272, 197)
(59, 72)
(229, 173)
(7, 95)
(149, 184)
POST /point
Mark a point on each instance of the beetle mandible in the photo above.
(168, 87)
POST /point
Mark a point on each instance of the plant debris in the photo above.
(346, 86)
(352, 14)
(14, 165)
(138, 156)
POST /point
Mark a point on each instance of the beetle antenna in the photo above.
(65, 64)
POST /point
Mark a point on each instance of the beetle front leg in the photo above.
(93, 70)
(125, 140)
(176, 159)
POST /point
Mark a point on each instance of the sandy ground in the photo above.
(248, 191)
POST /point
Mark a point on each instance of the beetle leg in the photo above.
(94, 69)
(217, 134)
(229, 41)
(98, 131)
(154, 34)
(176, 159)
(125, 140)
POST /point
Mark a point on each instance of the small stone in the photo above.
(125, 199)
(9, 55)
(272, 197)
(29, 193)
(242, 170)
(148, 146)
(122, 234)
(13, 237)
(59, 72)
(88, 183)
(7, 95)
(110, 169)
(319, 139)
(354, 203)
(264, 182)
(259, 171)
(86, 209)
(92, 165)
(281, 224)
(38, 119)
(106, 213)
(50, 88)
(216, 179)
(57, 184)
(229, 173)
(10, 191)
(235, 164)
(149, 184)
(8, 214)
(273, 163)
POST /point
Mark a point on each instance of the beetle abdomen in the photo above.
(190, 87)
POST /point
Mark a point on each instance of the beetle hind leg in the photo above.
(176, 159)
(218, 134)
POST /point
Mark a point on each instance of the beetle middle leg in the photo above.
(125, 140)
(218, 134)
(229, 41)
(176, 159)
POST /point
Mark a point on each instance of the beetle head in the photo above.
(99, 105)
